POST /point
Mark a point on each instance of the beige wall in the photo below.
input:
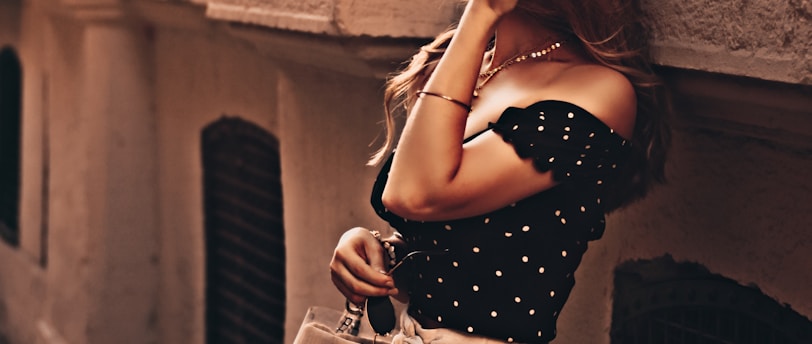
(115, 98)
(765, 39)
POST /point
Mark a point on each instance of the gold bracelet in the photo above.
(421, 93)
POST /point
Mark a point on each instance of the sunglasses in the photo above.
(380, 311)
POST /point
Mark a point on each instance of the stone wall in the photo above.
(116, 95)
(764, 39)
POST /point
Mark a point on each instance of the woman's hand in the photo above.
(498, 7)
(358, 269)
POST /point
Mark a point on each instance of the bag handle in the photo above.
(350, 321)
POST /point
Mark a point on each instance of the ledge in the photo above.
(417, 18)
(778, 114)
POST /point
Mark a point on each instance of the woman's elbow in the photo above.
(410, 204)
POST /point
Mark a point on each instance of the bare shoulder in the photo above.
(604, 92)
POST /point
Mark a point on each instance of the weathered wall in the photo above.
(735, 205)
(114, 109)
(420, 18)
(766, 39)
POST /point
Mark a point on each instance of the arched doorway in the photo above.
(10, 128)
(245, 251)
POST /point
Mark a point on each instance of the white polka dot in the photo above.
(563, 221)
(456, 303)
(570, 115)
(434, 242)
(515, 127)
(588, 146)
(517, 299)
(558, 213)
(591, 134)
(487, 220)
(428, 259)
(599, 201)
(439, 280)
(600, 182)
(470, 329)
(539, 333)
(579, 162)
(494, 314)
(526, 229)
(541, 128)
(439, 318)
(475, 287)
(532, 311)
(555, 313)
(448, 227)
(567, 129)
(565, 137)
(552, 158)
(563, 253)
(508, 234)
(498, 273)
(583, 209)
(552, 293)
(510, 339)
(428, 296)
(476, 249)
(456, 264)
(541, 270)
(525, 259)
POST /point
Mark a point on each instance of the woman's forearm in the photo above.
(430, 148)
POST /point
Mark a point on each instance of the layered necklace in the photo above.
(488, 75)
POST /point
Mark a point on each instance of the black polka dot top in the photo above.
(507, 273)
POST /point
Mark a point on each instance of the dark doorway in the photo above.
(10, 127)
(245, 245)
(664, 302)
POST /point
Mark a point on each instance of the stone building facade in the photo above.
(152, 131)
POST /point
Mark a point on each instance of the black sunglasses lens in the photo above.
(381, 314)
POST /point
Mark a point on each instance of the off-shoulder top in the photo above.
(506, 274)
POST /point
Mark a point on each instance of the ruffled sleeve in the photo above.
(564, 138)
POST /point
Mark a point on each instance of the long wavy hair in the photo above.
(611, 33)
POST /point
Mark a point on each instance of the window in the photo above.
(245, 243)
(662, 301)
(10, 113)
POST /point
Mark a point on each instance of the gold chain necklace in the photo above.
(532, 55)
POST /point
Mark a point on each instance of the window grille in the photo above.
(10, 119)
(245, 252)
(665, 302)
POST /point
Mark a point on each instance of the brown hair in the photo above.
(612, 33)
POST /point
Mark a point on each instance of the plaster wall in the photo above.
(765, 39)
(735, 205)
(197, 82)
(10, 22)
(324, 121)
(124, 194)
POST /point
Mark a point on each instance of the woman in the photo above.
(507, 165)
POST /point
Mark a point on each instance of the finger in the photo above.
(360, 277)
(344, 290)
(353, 286)
(365, 271)
(374, 253)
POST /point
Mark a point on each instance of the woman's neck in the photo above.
(517, 35)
